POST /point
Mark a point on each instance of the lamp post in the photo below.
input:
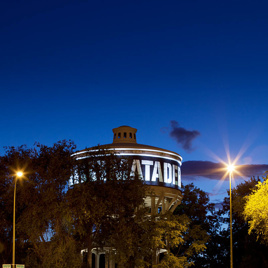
(19, 174)
(231, 168)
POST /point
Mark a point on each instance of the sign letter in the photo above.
(147, 164)
(167, 173)
(157, 173)
(136, 165)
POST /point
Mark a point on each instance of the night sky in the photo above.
(191, 76)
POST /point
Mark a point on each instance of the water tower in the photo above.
(159, 168)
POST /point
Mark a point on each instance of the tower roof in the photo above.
(124, 134)
(124, 142)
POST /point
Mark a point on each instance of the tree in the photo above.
(195, 204)
(14, 159)
(255, 210)
(39, 207)
(248, 253)
(107, 207)
(174, 234)
(104, 209)
(114, 216)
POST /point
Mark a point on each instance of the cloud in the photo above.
(192, 170)
(183, 136)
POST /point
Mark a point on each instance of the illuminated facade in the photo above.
(160, 169)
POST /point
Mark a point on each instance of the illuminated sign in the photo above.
(157, 171)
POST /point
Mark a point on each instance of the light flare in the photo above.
(228, 167)
(19, 174)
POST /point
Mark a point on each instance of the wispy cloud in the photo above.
(192, 170)
(183, 136)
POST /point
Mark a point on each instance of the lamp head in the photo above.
(231, 168)
(19, 174)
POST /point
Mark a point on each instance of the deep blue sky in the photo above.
(77, 69)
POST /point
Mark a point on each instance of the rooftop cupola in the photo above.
(124, 134)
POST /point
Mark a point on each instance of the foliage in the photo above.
(195, 204)
(172, 261)
(175, 234)
(60, 252)
(53, 223)
(106, 208)
(214, 220)
(40, 195)
(248, 252)
(104, 204)
(255, 210)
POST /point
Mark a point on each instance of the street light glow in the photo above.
(19, 174)
(231, 168)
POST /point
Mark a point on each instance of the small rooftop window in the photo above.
(124, 134)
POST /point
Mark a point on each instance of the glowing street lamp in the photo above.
(231, 169)
(19, 174)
